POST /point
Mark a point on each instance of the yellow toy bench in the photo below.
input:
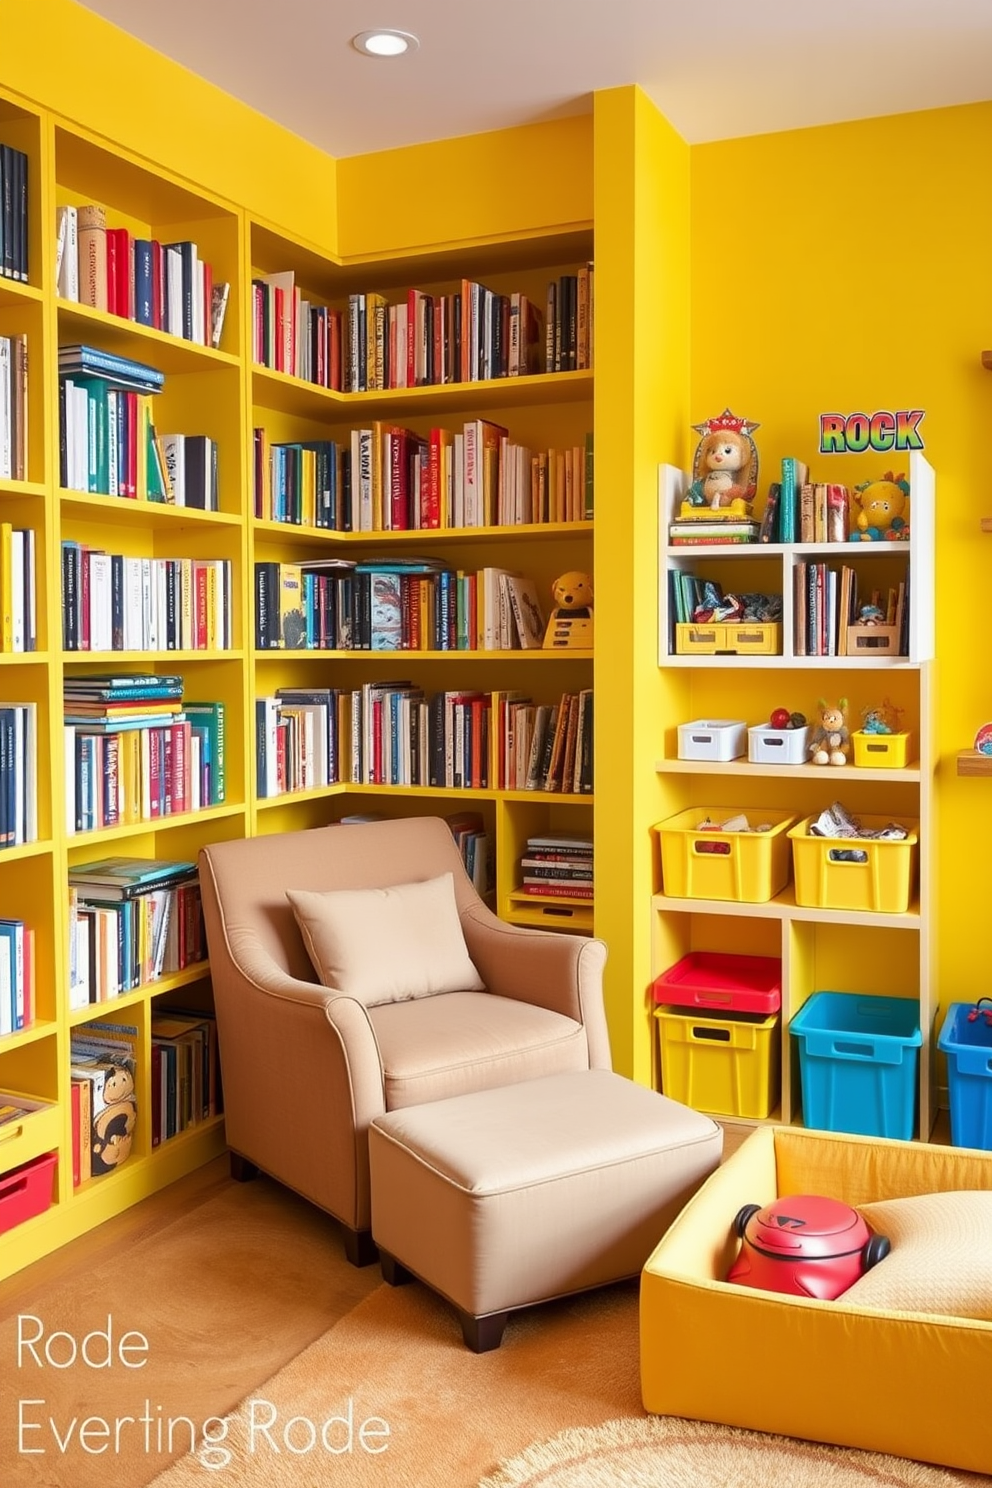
(905, 1383)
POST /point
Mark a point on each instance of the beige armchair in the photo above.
(306, 1068)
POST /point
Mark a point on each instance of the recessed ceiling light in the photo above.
(384, 43)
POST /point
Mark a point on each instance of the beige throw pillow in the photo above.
(941, 1256)
(387, 945)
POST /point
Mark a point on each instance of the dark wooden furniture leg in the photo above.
(482, 1334)
(242, 1171)
(359, 1246)
(393, 1271)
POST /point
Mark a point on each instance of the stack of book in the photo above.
(106, 435)
(185, 1071)
(131, 921)
(103, 1059)
(13, 214)
(17, 1000)
(691, 533)
(299, 738)
(557, 865)
(134, 751)
(163, 285)
(18, 774)
(18, 590)
(14, 407)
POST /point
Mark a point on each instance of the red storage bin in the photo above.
(26, 1191)
(718, 980)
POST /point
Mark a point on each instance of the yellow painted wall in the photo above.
(847, 268)
(477, 186)
(79, 65)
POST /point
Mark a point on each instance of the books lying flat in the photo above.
(132, 875)
(116, 371)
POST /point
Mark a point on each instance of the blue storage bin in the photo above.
(968, 1047)
(858, 1062)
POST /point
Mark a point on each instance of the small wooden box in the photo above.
(873, 640)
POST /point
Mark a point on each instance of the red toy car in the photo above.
(805, 1246)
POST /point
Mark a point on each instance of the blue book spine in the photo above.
(143, 295)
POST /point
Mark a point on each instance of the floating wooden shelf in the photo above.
(971, 762)
(987, 360)
(987, 524)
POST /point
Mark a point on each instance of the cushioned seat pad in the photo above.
(459, 1042)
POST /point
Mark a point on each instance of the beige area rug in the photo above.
(663, 1452)
(225, 1294)
(397, 1363)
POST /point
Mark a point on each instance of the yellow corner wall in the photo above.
(846, 268)
(75, 63)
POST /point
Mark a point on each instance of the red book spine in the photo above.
(334, 352)
(440, 310)
(281, 761)
(75, 1134)
(132, 293)
(432, 515)
(208, 304)
(377, 772)
(399, 502)
(411, 321)
(132, 445)
(113, 235)
(200, 606)
(279, 329)
(84, 601)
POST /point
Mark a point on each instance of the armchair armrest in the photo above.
(563, 973)
(280, 1035)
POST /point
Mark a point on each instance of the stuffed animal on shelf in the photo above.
(831, 741)
(724, 470)
(571, 619)
(883, 509)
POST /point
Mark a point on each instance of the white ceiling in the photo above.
(715, 68)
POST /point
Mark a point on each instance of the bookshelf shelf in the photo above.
(26, 850)
(138, 995)
(541, 656)
(144, 343)
(144, 659)
(156, 824)
(151, 514)
(784, 907)
(13, 292)
(420, 537)
(744, 769)
(41, 1028)
(24, 658)
(22, 488)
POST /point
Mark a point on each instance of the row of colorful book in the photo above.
(557, 865)
(18, 774)
(387, 478)
(543, 746)
(18, 589)
(185, 1071)
(17, 976)
(828, 601)
(113, 602)
(131, 922)
(164, 285)
(14, 407)
(136, 751)
(414, 604)
(13, 214)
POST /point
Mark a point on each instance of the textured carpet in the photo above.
(398, 1361)
(666, 1453)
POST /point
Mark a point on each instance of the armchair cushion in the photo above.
(387, 944)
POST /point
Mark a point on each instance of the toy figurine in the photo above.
(831, 741)
(883, 509)
(724, 471)
(571, 619)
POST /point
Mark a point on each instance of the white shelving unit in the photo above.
(820, 948)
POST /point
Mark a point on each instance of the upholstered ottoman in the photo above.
(878, 1378)
(511, 1196)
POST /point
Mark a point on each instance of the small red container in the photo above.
(26, 1191)
(716, 981)
(805, 1246)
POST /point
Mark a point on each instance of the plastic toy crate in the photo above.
(729, 1066)
(881, 751)
(858, 1063)
(968, 1047)
(880, 879)
(773, 746)
(762, 638)
(712, 739)
(26, 1191)
(749, 867)
(720, 981)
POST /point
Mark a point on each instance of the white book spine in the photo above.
(6, 449)
(6, 988)
(69, 747)
(17, 613)
(101, 602)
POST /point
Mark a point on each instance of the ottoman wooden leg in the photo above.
(359, 1246)
(393, 1271)
(482, 1334)
(242, 1171)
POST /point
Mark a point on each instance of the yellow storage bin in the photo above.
(749, 867)
(727, 1066)
(763, 638)
(881, 879)
(881, 751)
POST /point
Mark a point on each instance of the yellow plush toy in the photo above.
(571, 618)
(883, 504)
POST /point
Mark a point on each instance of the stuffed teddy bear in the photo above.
(571, 618)
(831, 741)
(883, 504)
